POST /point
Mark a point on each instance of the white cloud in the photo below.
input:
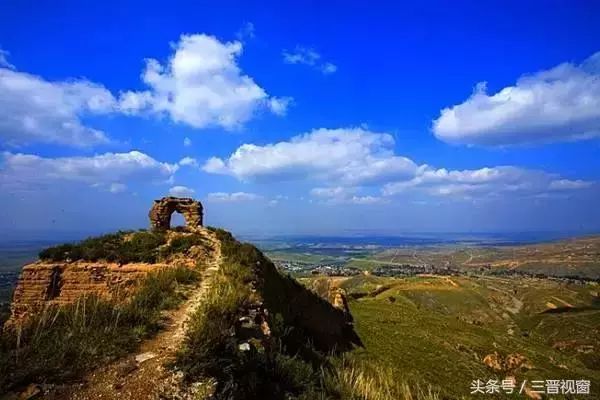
(201, 85)
(566, 184)
(559, 104)
(181, 191)
(328, 68)
(246, 32)
(4, 59)
(308, 56)
(348, 156)
(348, 161)
(35, 110)
(188, 161)
(110, 170)
(494, 181)
(221, 197)
(280, 105)
(117, 187)
(345, 195)
(332, 192)
(367, 200)
(187, 142)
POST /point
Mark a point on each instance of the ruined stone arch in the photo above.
(161, 211)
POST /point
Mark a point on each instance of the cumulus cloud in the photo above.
(308, 56)
(559, 104)
(188, 162)
(33, 109)
(351, 162)
(222, 197)
(201, 85)
(109, 170)
(187, 142)
(349, 156)
(494, 181)
(181, 191)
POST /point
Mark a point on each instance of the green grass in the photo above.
(62, 343)
(181, 244)
(125, 247)
(210, 351)
(121, 247)
(293, 367)
(435, 333)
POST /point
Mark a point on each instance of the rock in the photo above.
(264, 327)
(33, 391)
(515, 361)
(244, 346)
(494, 362)
(126, 367)
(510, 363)
(160, 213)
(140, 358)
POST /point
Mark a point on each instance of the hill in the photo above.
(449, 331)
(195, 305)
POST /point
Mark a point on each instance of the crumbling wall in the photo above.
(46, 283)
(161, 211)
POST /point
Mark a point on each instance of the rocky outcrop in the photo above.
(510, 363)
(160, 213)
(327, 289)
(46, 283)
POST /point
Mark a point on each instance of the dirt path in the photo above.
(143, 375)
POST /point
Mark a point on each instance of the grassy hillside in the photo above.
(438, 330)
(422, 338)
(301, 356)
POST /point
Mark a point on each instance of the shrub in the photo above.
(181, 244)
(121, 247)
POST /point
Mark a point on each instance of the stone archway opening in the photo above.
(162, 210)
(177, 220)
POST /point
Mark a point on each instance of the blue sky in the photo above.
(302, 118)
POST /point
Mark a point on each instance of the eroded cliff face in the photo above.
(45, 283)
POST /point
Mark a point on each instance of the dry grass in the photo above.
(61, 343)
(360, 380)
